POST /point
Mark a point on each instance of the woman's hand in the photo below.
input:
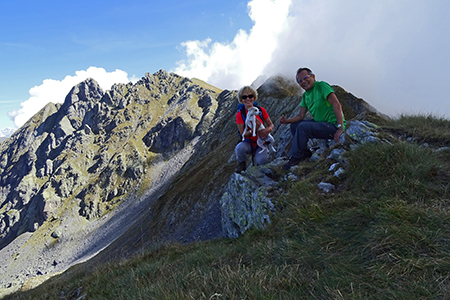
(263, 133)
(248, 133)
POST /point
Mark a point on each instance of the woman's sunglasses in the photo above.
(247, 96)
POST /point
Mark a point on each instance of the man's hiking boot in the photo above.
(293, 161)
(240, 167)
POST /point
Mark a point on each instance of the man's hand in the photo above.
(299, 117)
(337, 135)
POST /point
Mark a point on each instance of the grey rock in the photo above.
(336, 154)
(56, 234)
(339, 172)
(326, 187)
(244, 205)
(362, 132)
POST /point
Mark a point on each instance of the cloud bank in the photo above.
(56, 91)
(391, 53)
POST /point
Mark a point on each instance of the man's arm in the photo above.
(339, 115)
(296, 118)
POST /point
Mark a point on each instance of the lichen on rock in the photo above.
(245, 205)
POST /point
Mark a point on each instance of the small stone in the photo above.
(56, 234)
(326, 187)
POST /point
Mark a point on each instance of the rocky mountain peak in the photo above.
(279, 86)
(86, 91)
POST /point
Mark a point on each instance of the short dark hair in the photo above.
(305, 69)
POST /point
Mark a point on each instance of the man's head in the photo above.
(247, 93)
(305, 78)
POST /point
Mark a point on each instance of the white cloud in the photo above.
(392, 53)
(229, 65)
(56, 91)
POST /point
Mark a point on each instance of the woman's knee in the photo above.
(242, 150)
(242, 147)
(261, 158)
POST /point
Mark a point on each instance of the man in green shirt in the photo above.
(328, 120)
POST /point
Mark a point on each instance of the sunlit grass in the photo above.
(423, 128)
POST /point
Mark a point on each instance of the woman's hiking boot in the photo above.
(240, 167)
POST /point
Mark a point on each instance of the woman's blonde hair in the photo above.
(247, 88)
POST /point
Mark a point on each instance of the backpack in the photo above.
(241, 108)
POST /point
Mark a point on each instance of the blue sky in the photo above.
(48, 39)
(392, 53)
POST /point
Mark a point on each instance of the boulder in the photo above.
(245, 204)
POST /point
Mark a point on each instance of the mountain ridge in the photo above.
(156, 153)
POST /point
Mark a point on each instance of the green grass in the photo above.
(423, 128)
(383, 234)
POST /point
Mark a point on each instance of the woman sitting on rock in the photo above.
(248, 96)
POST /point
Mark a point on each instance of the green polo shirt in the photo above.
(315, 101)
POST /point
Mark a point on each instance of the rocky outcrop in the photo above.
(245, 203)
(356, 108)
(249, 198)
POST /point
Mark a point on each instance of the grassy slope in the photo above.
(383, 234)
